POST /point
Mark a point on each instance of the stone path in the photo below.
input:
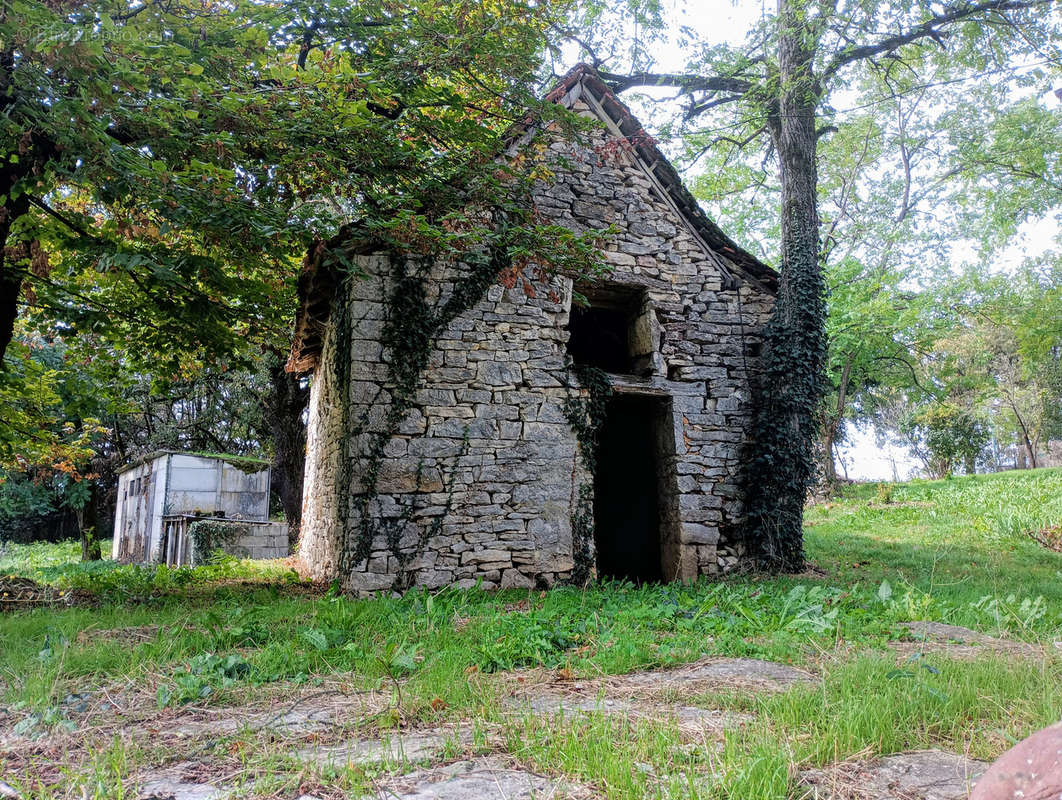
(921, 775)
(480, 779)
(173, 783)
(637, 694)
(959, 642)
(716, 673)
(656, 694)
(332, 711)
(709, 674)
(410, 747)
(690, 719)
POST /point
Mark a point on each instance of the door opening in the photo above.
(627, 508)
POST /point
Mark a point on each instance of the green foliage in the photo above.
(211, 534)
(33, 559)
(988, 505)
(154, 118)
(151, 216)
(59, 565)
(52, 415)
(530, 640)
(41, 724)
(933, 553)
(949, 436)
(903, 190)
(206, 673)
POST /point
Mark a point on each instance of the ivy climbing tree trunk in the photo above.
(783, 464)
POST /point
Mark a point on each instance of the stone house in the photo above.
(484, 477)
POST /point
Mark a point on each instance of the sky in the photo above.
(719, 21)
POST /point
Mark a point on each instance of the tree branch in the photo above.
(686, 82)
(47, 209)
(595, 60)
(696, 109)
(930, 29)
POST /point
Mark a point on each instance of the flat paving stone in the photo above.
(717, 672)
(709, 717)
(412, 747)
(481, 779)
(920, 775)
(315, 716)
(171, 784)
(686, 716)
(955, 640)
(549, 704)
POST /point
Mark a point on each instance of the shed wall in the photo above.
(174, 484)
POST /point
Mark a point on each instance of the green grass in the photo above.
(30, 559)
(956, 540)
(953, 551)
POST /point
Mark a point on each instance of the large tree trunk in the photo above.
(10, 274)
(10, 286)
(284, 415)
(1030, 453)
(783, 467)
(32, 153)
(1025, 442)
(829, 469)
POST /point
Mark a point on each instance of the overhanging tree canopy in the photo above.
(779, 90)
(166, 167)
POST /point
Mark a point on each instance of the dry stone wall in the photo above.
(487, 447)
(488, 437)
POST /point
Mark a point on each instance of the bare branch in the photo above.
(595, 61)
(686, 82)
(930, 29)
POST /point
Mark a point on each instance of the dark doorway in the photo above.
(626, 490)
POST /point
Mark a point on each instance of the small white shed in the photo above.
(161, 496)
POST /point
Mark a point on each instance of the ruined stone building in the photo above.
(484, 477)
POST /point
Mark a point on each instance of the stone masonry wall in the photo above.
(710, 336)
(489, 428)
(269, 540)
(489, 433)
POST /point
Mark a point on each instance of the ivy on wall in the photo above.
(586, 415)
(411, 329)
(208, 535)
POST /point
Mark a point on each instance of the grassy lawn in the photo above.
(160, 643)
